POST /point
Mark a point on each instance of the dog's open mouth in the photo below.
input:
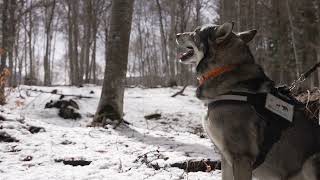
(186, 54)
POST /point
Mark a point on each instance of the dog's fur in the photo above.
(235, 128)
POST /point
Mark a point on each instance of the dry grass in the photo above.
(311, 99)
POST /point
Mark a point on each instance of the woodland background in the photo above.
(121, 43)
(65, 41)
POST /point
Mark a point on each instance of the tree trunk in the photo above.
(184, 72)
(4, 41)
(94, 50)
(172, 43)
(92, 72)
(17, 60)
(111, 101)
(198, 13)
(95, 26)
(49, 14)
(141, 47)
(31, 78)
(11, 37)
(25, 51)
(88, 38)
(164, 52)
(318, 60)
(70, 44)
(75, 12)
(53, 50)
(239, 15)
(280, 37)
(293, 40)
(4, 48)
(82, 56)
(318, 44)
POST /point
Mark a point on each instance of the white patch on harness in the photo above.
(279, 107)
(231, 97)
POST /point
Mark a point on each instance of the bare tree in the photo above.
(4, 42)
(49, 14)
(4, 47)
(172, 45)
(11, 36)
(73, 40)
(111, 101)
(31, 78)
(293, 39)
(164, 52)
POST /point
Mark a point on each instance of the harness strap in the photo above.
(229, 97)
(273, 125)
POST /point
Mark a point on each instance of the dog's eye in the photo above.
(196, 39)
(189, 47)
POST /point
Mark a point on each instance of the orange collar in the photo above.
(215, 72)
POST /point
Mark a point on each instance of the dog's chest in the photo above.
(214, 131)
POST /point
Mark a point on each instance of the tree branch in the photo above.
(179, 92)
(61, 94)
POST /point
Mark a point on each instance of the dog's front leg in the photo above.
(227, 173)
(242, 169)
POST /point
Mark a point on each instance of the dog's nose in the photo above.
(178, 35)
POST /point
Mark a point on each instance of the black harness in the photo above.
(275, 123)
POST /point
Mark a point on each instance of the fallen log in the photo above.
(153, 116)
(5, 137)
(198, 165)
(67, 108)
(73, 162)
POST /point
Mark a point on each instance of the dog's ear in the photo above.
(223, 31)
(247, 36)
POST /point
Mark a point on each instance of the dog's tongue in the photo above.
(180, 56)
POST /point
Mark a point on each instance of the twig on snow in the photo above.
(57, 93)
(180, 92)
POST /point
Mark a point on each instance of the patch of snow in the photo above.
(118, 154)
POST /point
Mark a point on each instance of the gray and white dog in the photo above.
(224, 64)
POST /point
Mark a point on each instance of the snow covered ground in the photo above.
(142, 150)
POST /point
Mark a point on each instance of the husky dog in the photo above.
(225, 64)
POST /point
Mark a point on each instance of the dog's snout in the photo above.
(178, 35)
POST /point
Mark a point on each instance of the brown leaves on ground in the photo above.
(5, 74)
(2, 51)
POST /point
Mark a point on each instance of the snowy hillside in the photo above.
(46, 146)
